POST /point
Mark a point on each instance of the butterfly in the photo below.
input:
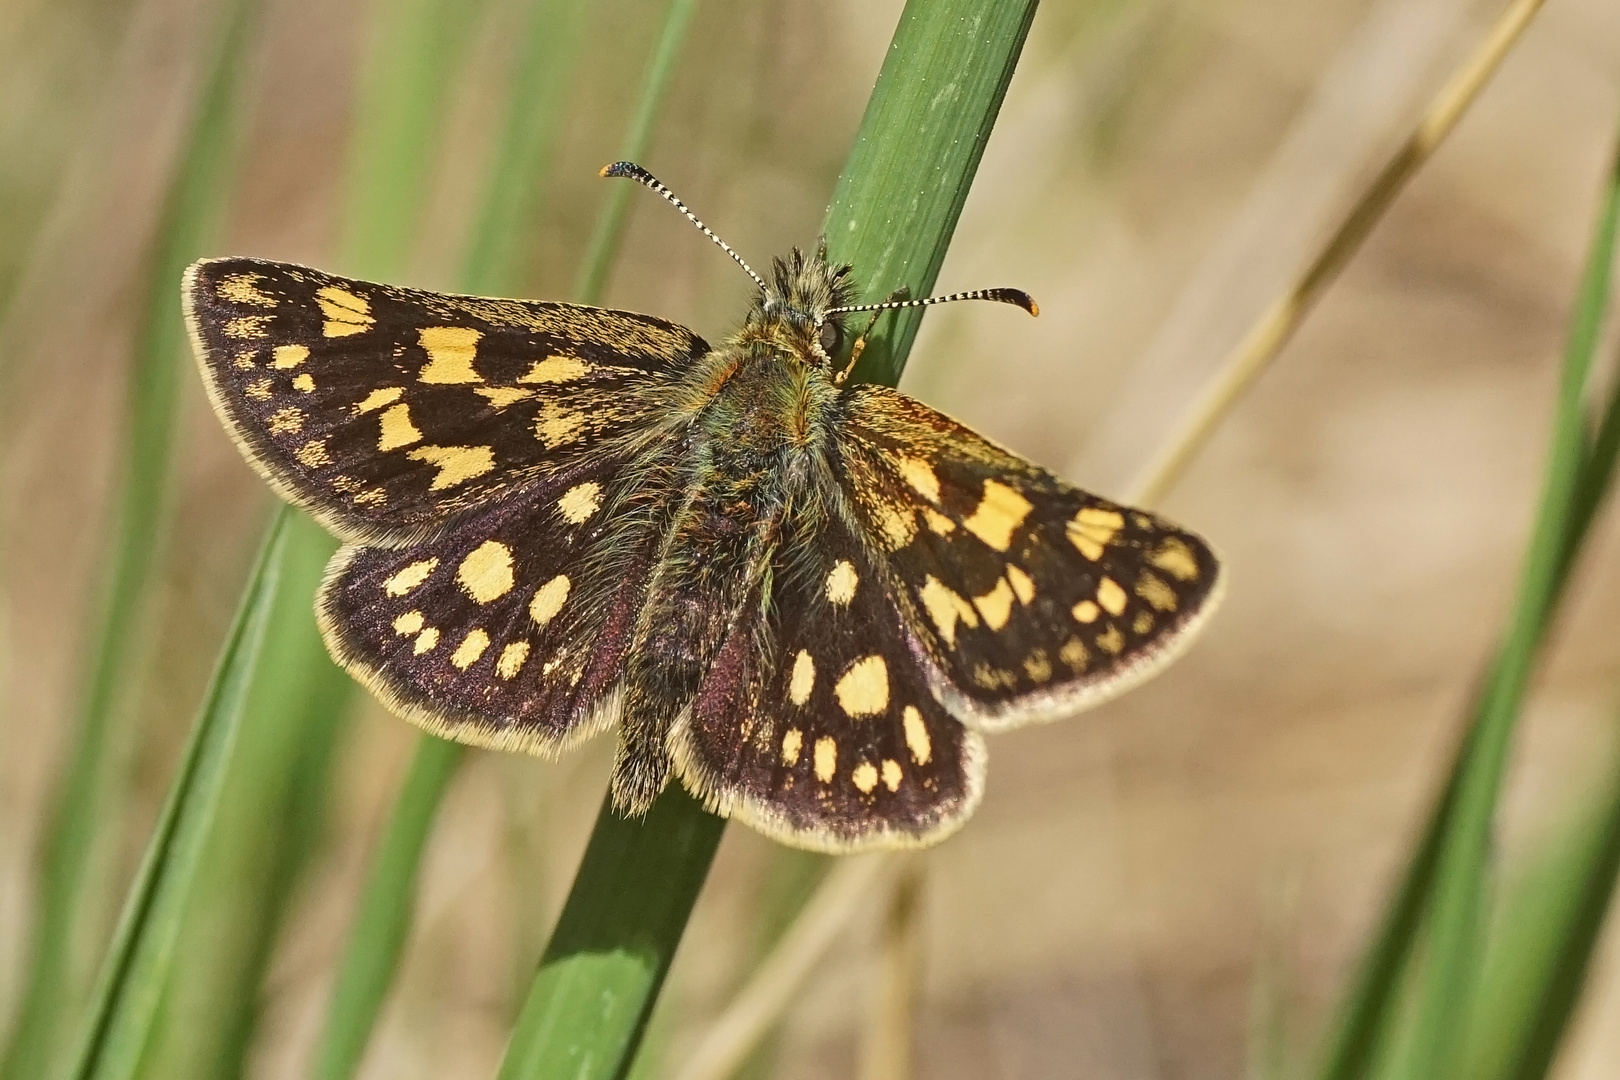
(805, 597)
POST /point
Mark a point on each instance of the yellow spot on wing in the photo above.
(259, 390)
(397, 429)
(557, 427)
(549, 599)
(1093, 528)
(841, 582)
(451, 350)
(378, 398)
(998, 516)
(1021, 583)
(511, 659)
(1156, 592)
(289, 356)
(242, 289)
(917, 740)
(304, 382)
(1086, 611)
(409, 623)
(896, 524)
(864, 688)
(247, 326)
(410, 577)
(1175, 558)
(865, 777)
(792, 743)
(1111, 641)
(580, 502)
(803, 680)
(313, 455)
(486, 573)
(426, 640)
(891, 774)
(288, 421)
(938, 523)
(555, 369)
(501, 396)
(1075, 654)
(345, 312)
(456, 464)
(826, 759)
(471, 648)
(1142, 624)
(1111, 596)
(1037, 666)
(920, 475)
(944, 607)
(996, 605)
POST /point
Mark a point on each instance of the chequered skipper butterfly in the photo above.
(806, 598)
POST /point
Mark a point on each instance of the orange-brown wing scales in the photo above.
(815, 724)
(1031, 598)
(385, 411)
(509, 632)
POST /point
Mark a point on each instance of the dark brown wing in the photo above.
(509, 631)
(1032, 599)
(815, 724)
(385, 412)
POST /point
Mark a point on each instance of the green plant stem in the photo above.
(896, 204)
(53, 992)
(143, 951)
(1461, 870)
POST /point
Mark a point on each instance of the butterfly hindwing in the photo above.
(815, 723)
(1033, 599)
(384, 411)
(509, 631)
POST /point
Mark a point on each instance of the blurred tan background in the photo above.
(1145, 887)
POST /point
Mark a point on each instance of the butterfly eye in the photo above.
(831, 338)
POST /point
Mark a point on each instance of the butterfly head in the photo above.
(800, 311)
(796, 308)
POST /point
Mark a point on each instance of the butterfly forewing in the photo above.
(386, 411)
(815, 723)
(1032, 599)
(510, 631)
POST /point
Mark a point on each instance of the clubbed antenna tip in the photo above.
(631, 171)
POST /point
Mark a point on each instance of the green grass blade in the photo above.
(1548, 932)
(1461, 872)
(604, 242)
(143, 951)
(413, 49)
(897, 201)
(539, 90)
(383, 917)
(1354, 1037)
(53, 993)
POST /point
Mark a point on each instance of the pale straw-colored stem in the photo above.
(886, 1043)
(846, 892)
(1282, 317)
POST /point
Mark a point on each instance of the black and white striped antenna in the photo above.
(631, 170)
(1016, 297)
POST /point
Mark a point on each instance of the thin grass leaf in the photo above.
(1548, 933)
(892, 215)
(512, 192)
(117, 1032)
(1461, 871)
(53, 994)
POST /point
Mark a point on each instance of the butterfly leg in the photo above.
(860, 343)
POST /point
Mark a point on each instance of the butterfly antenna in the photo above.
(1016, 297)
(641, 176)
